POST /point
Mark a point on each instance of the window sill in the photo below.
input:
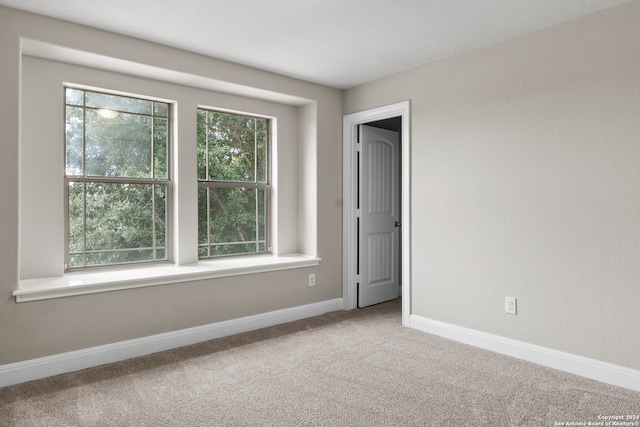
(81, 283)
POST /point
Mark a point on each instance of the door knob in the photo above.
(397, 224)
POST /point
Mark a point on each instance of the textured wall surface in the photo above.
(525, 182)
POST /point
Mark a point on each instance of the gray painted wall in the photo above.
(526, 183)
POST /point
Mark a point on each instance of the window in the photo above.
(67, 215)
(233, 184)
(116, 179)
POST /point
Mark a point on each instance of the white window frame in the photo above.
(84, 179)
(265, 186)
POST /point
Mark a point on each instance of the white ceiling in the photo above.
(338, 43)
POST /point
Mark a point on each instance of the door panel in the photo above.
(379, 255)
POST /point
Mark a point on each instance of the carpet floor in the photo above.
(356, 368)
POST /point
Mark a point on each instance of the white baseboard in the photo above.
(578, 365)
(43, 367)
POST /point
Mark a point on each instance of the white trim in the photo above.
(58, 53)
(82, 283)
(567, 362)
(16, 373)
(349, 190)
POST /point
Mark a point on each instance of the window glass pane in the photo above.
(74, 128)
(231, 155)
(232, 120)
(76, 261)
(233, 249)
(261, 157)
(118, 103)
(215, 118)
(161, 109)
(73, 96)
(160, 147)
(202, 115)
(261, 213)
(76, 217)
(236, 221)
(119, 216)
(203, 252)
(232, 215)
(202, 152)
(220, 144)
(160, 202)
(203, 206)
(262, 125)
(247, 159)
(95, 259)
(118, 146)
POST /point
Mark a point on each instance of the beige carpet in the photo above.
(358, 368)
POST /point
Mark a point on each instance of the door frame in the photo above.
(350, 124)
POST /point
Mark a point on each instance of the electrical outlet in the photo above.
(510, 305)
(312, 279)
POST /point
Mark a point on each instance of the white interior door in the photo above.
(379, 214)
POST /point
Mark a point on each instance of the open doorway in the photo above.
(382, 123)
